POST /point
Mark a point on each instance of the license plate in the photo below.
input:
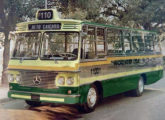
(35, 97)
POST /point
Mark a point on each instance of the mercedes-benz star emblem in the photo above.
(37, 80)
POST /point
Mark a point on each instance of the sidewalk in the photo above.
(4, 93)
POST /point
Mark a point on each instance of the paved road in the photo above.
(150, 106)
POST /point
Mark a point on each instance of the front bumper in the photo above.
(44, 97)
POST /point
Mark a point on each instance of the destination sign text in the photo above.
(45, 26)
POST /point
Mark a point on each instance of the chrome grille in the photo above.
(47, 79)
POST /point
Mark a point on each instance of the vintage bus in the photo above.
(75, 62)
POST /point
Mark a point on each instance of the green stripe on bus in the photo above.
(117, 27)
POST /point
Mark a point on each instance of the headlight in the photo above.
(18, 78)
(10, 77)
(70, 81)
(61, 80)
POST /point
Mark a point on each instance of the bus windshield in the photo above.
(26, 46)
(60, 46)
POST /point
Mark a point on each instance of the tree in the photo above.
(12, 12)
(148, 13)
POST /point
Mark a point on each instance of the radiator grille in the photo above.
(41, 79)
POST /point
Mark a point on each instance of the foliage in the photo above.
(12, 12)
(148, 14)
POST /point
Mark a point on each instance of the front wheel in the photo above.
(33, 103)
(92, 99)
(140, 89)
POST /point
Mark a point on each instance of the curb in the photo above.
(4, 100)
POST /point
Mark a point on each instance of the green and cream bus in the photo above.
(75, 62)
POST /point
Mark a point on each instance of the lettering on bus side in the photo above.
(123, 62)
(140, 62)
(95, 71)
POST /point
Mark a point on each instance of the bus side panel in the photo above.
(83, 90)
(154, 76)
(119, 85)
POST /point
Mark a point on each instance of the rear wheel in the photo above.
(92, 99)
(33, 103)
(140, 89)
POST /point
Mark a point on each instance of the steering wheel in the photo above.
(67, 55)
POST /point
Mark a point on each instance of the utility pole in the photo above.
(46, 3)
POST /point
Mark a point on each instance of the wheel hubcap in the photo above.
(141, 85)
(91, 98)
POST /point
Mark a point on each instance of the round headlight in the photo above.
(70, 81)
(18, 78)
(61, 80)
(10, 77)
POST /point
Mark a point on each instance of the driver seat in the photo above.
(75, 51)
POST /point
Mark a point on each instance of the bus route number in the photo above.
(95, 71)
(45, 15)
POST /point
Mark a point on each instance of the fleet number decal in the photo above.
(95, 71)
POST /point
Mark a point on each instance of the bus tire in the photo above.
(92, 99)
(33, 103)
(140, 88)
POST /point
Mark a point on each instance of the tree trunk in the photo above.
(147, 26)
(6, 56)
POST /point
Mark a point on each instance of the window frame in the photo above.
(42, 41)
(86, 26)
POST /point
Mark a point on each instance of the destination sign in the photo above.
(45, 26)
(45, 15)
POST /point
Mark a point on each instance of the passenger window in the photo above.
(138, 42)
(89, 44)
(157, 46)
(149, 43)
(100, 42)
(127, 42)
(114, 42)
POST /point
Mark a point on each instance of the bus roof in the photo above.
(52, 22)
(117, 27)
(70, 24)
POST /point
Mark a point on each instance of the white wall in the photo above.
(163, 47)
(1, 61)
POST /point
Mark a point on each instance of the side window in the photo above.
(89, 44)
(157, 46)
(149, 42)
(100, 42)
(138, 44)
(114, 42)
(93, 44)
(127, 42)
